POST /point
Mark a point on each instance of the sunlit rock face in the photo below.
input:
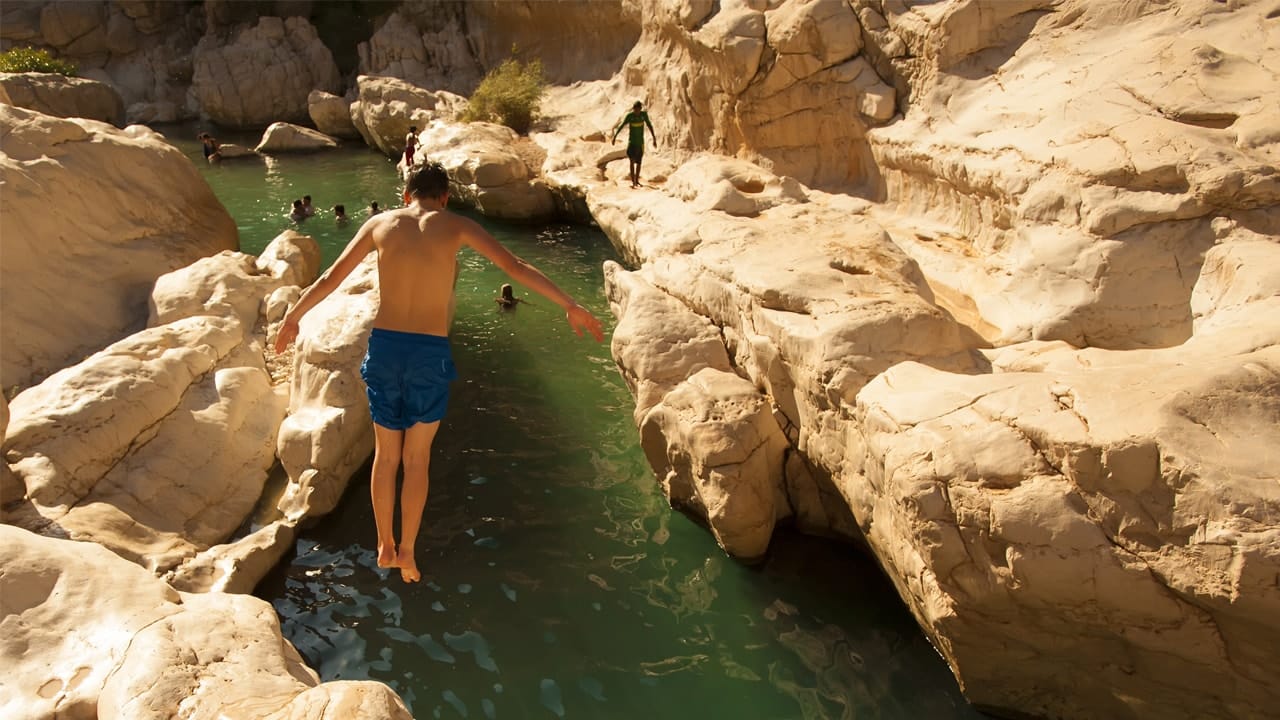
(264, 74)
(84, 235)
(486, 171)
(86, 633)
(450, 46)
(62, 96)
(386, 107)
(1036, 372)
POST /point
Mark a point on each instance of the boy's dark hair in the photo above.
(340, 208)
(306, 198)
(430, 180)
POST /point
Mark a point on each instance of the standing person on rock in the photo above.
(410, 145)
(409, 365)
(637, 119)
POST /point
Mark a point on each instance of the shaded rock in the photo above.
(152, 213)
(331, 115)
(387, 107)
(282, 137)
(62, 96)
(264, 74)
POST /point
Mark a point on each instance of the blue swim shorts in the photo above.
(408, 376)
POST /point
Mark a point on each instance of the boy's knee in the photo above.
(416, 462)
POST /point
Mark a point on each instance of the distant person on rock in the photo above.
(299, 213)
(307, 207)
(636, 120)
(410, 145)
(210, 146)
(409, 365)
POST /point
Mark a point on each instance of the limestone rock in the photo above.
(85, 633)
(786, 83)
(732, 186)
(62, 96)
(1097, 238)
(387, 107)
(281, 137)
(232, 151)
(152, 213)
(485, 171)
(722, 453)
(331, 114)
(328, 433)
(264, 74)
(425, 46)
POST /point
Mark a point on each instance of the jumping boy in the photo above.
(408, 365)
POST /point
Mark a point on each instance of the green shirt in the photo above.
(636, 122)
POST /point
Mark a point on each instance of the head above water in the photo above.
(297, 204)
(340, 209)
(428, 181)
(507, 292)
(306, 199)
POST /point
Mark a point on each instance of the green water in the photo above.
(557, 581)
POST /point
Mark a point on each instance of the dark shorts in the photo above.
(408, 376)
(635, 152)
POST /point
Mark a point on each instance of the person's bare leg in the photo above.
(413, 496)
(387, 445)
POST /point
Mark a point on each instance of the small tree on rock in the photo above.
(510, 94)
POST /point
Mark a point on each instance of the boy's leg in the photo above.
(387, 445)
(413, 496)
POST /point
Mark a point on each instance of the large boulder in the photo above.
(264, 74)
(193, 417)
(387, 107)
(331, 115)
(487, 172)
(87, 634)
(328, 433)
(147, 211)
(54, 94)
(282, 137)
(1097, 237)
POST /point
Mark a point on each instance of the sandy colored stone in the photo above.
(328, 433)
(387, 107)
(331, 115)
(87, 634)
(152, 213)
(62, 96)
(282, 137)
(264, 74)
(486, 171)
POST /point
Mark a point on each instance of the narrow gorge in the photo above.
(987, 289)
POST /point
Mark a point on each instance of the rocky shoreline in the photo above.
(990, 289)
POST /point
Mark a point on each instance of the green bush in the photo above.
(32, 60)
(509, 94)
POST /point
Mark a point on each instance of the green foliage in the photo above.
(509, 94)
(18, 60)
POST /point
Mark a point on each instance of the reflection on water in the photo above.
(557, 581)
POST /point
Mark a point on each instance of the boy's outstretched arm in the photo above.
(329, 281)
(579, 318)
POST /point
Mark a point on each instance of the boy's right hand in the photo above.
(287, 334)
(581, 319)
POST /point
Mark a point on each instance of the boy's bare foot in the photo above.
(408, 566)
(386, 556)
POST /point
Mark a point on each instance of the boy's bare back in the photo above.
(417, 267)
